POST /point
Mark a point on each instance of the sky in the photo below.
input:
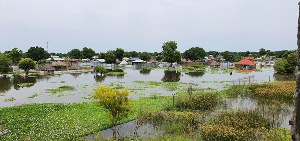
(138, 25)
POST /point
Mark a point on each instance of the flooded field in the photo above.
(13, 91)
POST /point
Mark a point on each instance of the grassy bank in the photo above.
(64, 121)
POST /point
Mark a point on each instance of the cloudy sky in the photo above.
(234, 25)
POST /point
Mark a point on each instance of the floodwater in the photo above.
(86, 82)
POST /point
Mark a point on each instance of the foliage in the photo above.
(34, 95)
(145, 56)
(203, 101)
(41, 62)
(15, 55)
(234, 125)
(119, 52)
(100, 69)
(61, 89)
(273, 92)
(37, 53)
(87, 53)
(115, 101)
(170, 54)
(194, 53)
(102, 55)
(236, 90)
(26, 64)
(277, 134)
(227, 56)
(75, 54)
(115, 73)
(262, 52)
(287, 64)
(110, 57)
(5, 62)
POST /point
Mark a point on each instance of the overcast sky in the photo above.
(234, 25)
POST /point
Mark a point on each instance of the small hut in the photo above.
(48, 69)
(75, 67)
(214, 64)
(245, 64)
(59, 65)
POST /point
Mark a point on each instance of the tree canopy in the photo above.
(194, 53)
(99, 69)
(145, 56)
(75, 54)
(119, 53)
(5, 62)
(116, 101)
(110, 57)
(15, 55)
(37, 53)
(26, 64)
(169, 53)
(287, 64)
(88, 53)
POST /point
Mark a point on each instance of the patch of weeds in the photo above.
(34, 95)
(115, 73)
(61, 89)
(25, 84)
(9, 99)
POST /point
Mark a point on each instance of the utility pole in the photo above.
(295, 122)
(47, 47)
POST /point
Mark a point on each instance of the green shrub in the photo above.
(199, 101)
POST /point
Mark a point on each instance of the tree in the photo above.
(87, 52)
(5, 62)
(110, 57)
(287, 64)
(145, 56)
(194, 53)
(170, 54)
(119, 53)
(37, 53)
(262, 52)
(26, 64)
(100, 69)
(227, 55)
(116, 101)
(15, 55)
(102, 55)
(75, 54)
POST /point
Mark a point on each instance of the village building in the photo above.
(245, 64)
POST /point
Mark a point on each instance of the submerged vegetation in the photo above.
(61, 89)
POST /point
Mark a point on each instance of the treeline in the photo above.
(168, 54)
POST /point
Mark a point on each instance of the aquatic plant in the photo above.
(25, 84)
(115, 73)
(34, 95)
(198, 101)
(61, 89)
(235, 125)
(9, 99)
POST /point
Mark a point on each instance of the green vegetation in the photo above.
(115, 101)
(192, 69)
(115, 73)
(61, 89)
(236, 125)
(194, 53)
(9, 99)
(5, 62)
(26, 64)
(169, 53)
(66, 121)
(34, 95)
(287, 64)
(25, 84)
(100, 69)
(170, 86)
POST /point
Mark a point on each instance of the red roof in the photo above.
(245, 62)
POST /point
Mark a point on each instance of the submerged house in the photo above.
(245, 64)
(214, 64)
(60, 65)
(48, 69)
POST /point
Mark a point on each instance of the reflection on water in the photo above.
(20, 79)
(99, 78)
(5, 84)
(195, 74)
(75, 74)
(171, 76)
(127, 130)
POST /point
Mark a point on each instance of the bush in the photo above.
(239, 125)
(199, 101)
